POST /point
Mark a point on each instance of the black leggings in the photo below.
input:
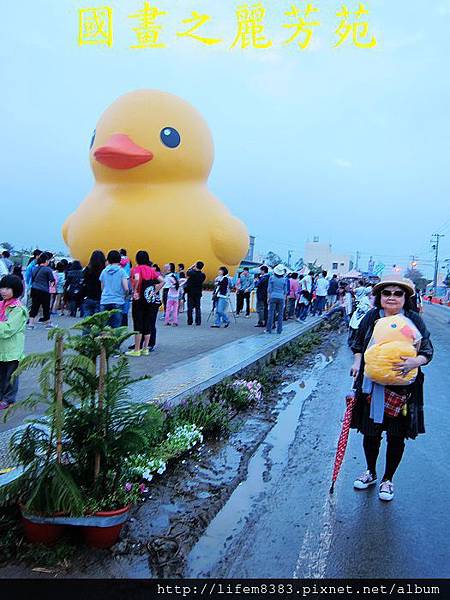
(240, 298)
(394, 453)
(40, 298)
(144, 319)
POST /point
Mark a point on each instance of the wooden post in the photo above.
(59, 412)
(103, 365)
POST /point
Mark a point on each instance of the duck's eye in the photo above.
(92, 140)
(170, 137)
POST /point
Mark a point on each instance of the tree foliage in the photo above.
(272, 259)
(417, 278)
(73, 457)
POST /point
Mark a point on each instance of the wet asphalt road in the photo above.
(294, 528)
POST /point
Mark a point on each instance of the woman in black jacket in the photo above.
(92, 289)
(392, 297)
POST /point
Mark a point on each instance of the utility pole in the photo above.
(358, 255)
(289, 257)
(435, 241)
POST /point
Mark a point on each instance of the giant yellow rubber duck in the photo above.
(393, 338)
(151, 155)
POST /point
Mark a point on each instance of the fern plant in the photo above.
(74, 455)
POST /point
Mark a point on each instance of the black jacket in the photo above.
(333, 287)
(415, 390)
(92, 288)
(261, 287)
(194, 283)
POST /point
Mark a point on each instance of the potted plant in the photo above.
(74, 458)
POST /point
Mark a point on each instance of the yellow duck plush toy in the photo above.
(151, 155)
(393, 337)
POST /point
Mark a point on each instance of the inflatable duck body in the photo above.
(393, 337)
(151, 155)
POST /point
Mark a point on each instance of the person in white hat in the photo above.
(392, 297)
(277, 290)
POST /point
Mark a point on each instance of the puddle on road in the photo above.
(265, 465)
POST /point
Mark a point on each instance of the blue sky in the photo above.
(348, 144)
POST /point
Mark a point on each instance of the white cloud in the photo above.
(405, 41)
(342, 163)
(443, 9)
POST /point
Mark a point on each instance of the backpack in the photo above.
(75, 288)
(148, 293)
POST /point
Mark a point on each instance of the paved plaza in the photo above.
(173, 344)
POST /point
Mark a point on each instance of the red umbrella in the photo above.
(343, 438)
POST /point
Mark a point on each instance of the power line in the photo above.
(444, 226)
(435, 247)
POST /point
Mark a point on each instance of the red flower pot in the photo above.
(40, 529)
(105, 535)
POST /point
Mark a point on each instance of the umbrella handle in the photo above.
(332, 488)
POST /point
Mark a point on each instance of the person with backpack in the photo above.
(41, 278)
(146, 283)
(173, 297)
(74, 287)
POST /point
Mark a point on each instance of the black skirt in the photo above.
(408, 426)
(361, 421)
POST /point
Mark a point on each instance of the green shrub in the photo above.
(213, 417)
(238, 394)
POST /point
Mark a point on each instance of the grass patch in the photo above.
(212, 416)
(298, 349)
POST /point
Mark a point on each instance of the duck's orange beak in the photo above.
(120, 152)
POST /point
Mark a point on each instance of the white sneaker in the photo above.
(386, 492)
(364, 481)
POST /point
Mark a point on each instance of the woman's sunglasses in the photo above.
(396, 293)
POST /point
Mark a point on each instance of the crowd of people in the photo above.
(50, 287)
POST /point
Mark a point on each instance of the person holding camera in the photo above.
(222, 297)
(194, 288)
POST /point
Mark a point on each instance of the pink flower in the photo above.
(128, 487)
(143, 489)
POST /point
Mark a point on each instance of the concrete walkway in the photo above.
(173, 345)
(196, 375)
